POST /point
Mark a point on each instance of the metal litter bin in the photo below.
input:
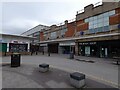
(15, 60)
(71, 55)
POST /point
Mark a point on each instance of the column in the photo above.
(7, 47)
(28, 49)
(76, 48)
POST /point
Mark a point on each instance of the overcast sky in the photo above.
(18, 17)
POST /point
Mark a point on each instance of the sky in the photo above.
(19, 16)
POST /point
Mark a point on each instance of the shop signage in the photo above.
(67, 44)
(43, 44)
(87, 43)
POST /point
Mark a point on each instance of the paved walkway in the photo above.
(102, 73)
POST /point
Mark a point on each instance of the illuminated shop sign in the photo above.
(87, 43)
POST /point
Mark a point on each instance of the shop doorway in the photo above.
(87, 50)
(53, 48)
(104, 52)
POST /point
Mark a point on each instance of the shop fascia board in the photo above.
(78, 38)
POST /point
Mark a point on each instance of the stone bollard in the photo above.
(77, 79)
(44, 67)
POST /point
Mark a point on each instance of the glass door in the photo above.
(104, 52)
(87, 50)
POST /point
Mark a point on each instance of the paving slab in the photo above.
(28, 76)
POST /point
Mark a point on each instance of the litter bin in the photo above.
(71, 55)
(15, 60)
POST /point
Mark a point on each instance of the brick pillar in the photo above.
(76, 48)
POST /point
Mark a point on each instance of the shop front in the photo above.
(43, 48)
(88, 48)
(66, 47)
(53, 47)
(103, 49)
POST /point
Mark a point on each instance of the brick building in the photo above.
(94, 32)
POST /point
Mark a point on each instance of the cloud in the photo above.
(20, 17)
(19, 25)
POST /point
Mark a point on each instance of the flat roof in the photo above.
(34, 27)
(18, 36)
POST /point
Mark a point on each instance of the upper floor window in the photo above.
(101, 20)
(63, 31)
(53, 35)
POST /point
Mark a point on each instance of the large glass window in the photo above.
(53, 35)
(99, 23)
(63, 31)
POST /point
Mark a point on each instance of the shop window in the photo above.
(53, 35)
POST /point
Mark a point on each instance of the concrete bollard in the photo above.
(44, 67)
(77, 79)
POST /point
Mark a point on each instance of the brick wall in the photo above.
(114, 19)
(82, 27)
(71, 29)
(41, 36)
(117, 10)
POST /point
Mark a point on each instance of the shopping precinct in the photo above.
(95, 32)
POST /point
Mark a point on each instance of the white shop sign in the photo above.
(66, 43)
(43, 44)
